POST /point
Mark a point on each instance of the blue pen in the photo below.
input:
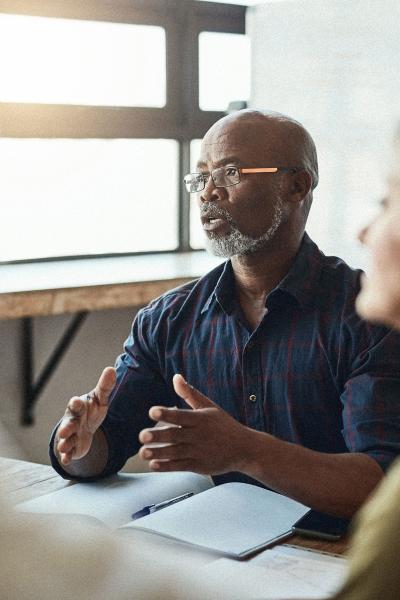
(147, 510)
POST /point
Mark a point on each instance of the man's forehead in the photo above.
(230, 140)
(239, 133)
(228, 148)
(221, 153)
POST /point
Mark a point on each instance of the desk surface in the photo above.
(68, 286)
(24, 481)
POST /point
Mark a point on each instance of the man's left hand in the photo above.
(204, 440)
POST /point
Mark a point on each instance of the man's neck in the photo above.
(257, 274)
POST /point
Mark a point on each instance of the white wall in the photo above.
(97, 344)
(334, 65)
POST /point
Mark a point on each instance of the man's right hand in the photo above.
(83, 416)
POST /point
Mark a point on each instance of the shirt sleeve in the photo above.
(371, 395)
(140, 385)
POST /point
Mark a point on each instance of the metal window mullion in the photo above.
(183, 200)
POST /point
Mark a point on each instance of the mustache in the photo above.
(208, 210)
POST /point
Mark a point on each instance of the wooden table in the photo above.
(72, 286)
(25, 480)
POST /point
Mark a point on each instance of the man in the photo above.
(288, 386)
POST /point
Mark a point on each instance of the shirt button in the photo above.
(252, 397)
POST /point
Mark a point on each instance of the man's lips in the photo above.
(213, 223)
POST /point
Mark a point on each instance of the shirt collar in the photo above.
(303, 276)
(224, 290)
(299, 282)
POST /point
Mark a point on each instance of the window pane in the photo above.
(64, 61)
(197, 239)
(78, 197)
(224, 69)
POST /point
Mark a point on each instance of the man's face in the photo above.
(379, 299)
(242, 218)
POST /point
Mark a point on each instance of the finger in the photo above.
(169, 452)
(66, 458)
(172, 465)
(167, 435)
(76, 407)
(67, 445)
(191, 396)
(68, 426)
(175, 416)
(105, 385)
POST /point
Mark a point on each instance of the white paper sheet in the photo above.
(281, 573)
(233, 518)
(112, 501)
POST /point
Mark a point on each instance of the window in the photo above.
(65, 61)
(86, 197)
(224, 69)
(98, 104)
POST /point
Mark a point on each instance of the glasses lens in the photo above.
(194, 182)
(226, 176)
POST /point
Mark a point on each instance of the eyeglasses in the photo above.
(228, 176)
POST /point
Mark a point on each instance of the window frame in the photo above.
(181, 118)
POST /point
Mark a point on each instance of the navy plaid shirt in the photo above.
(312, 373)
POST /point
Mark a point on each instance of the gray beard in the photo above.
(236, 243)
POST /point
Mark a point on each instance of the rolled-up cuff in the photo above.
(111, 467)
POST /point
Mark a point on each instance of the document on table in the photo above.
(281, 573)
(113, 500)
(234, 519)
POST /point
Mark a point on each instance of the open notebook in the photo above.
(234, 519)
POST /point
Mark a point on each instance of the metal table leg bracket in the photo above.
(31, 388)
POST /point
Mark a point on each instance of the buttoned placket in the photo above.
(253, 384)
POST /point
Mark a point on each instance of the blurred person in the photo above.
(70, 557)
(374, 568)
(287, 386)
(67, 557)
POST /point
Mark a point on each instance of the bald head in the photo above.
(277, 138)
(264, 211)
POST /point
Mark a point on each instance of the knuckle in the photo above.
(164, 452)
(171, 434)
(175, 451)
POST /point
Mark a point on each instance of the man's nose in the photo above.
(210, 192)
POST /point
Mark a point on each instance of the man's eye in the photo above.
(231, 171)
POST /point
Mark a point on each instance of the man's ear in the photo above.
(301, 185)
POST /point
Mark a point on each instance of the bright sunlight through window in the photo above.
(65, 61)
(81, 197)
(224, 69)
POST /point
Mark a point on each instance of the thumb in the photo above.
(191, 396)
(105, 385)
